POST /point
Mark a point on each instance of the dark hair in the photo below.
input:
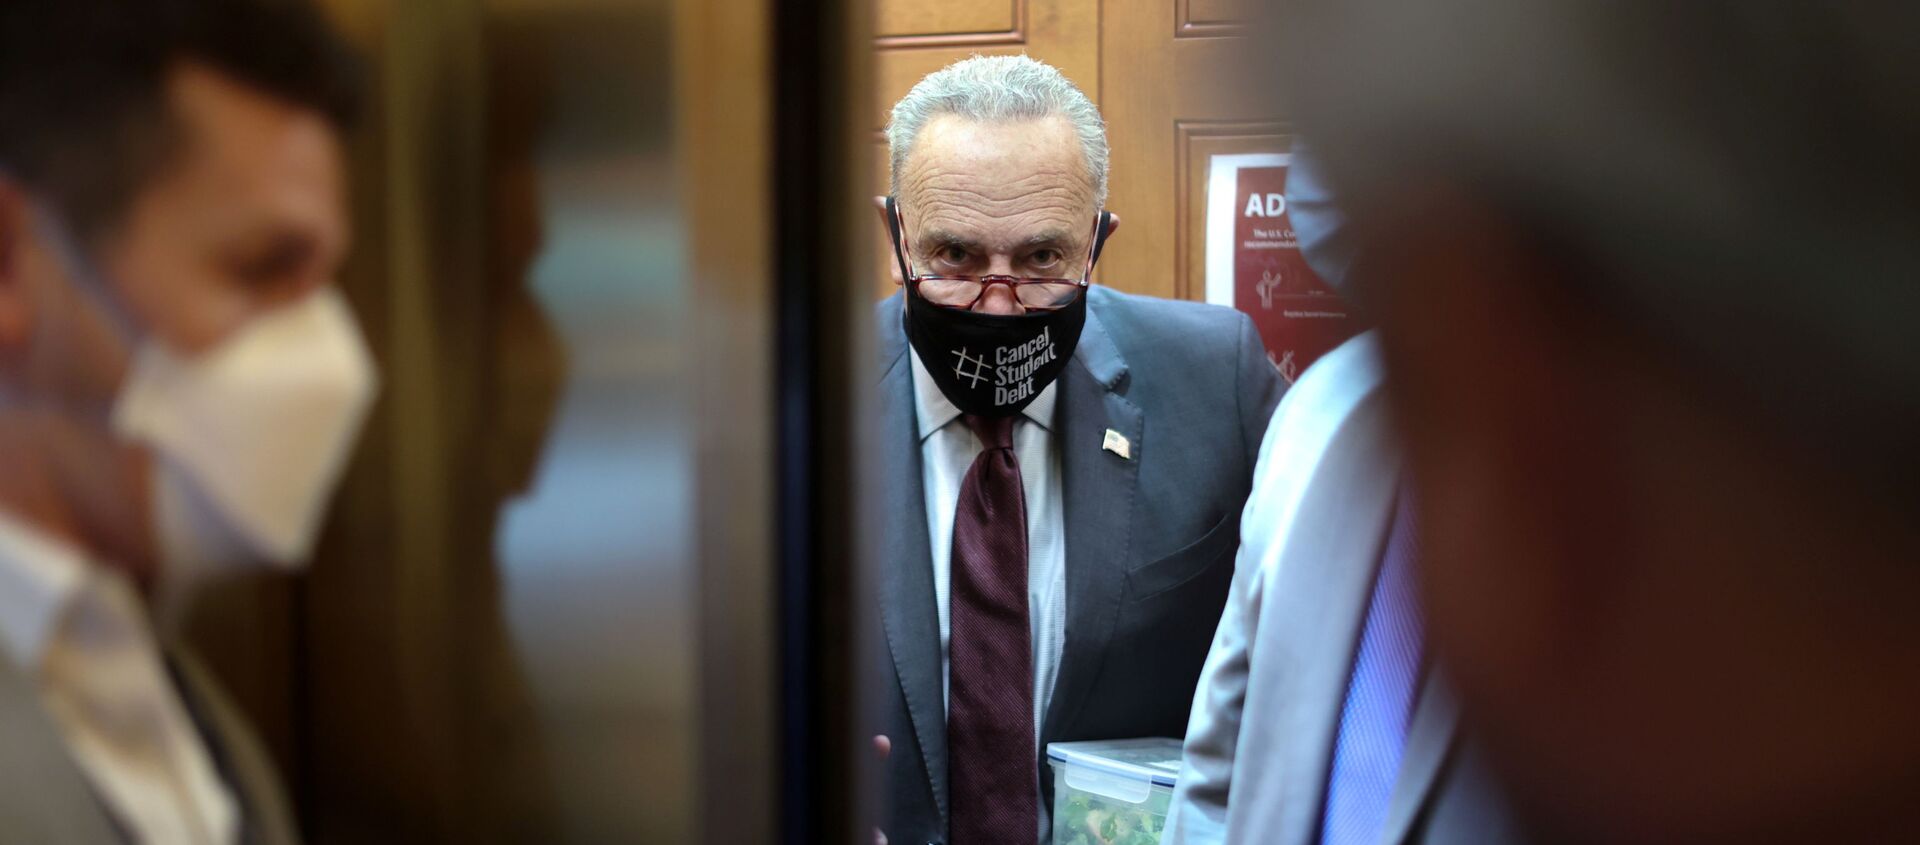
(84, 118)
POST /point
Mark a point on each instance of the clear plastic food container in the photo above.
(1112, 792)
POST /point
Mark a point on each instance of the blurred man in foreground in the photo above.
(181, 386)
(1064, 464)
(1645, 275)
(1318, 718)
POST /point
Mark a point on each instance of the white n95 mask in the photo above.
(249, 438)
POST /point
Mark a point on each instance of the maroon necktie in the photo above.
(994, 777)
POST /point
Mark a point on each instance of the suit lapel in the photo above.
(47, 798)
(909, 612)
(1325, 576)
(1429, 737)
(1098, 490)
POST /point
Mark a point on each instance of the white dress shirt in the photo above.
(82, 635)
(947, 450)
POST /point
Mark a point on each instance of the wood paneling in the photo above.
(1156, 82)
(951, 21)
(1195, 143)
(1207, 18)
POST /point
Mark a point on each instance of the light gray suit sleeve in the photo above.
(1198, 813)
(1259, 387)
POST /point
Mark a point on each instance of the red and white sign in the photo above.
(1254, 264)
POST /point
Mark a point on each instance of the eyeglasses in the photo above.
(963, 292)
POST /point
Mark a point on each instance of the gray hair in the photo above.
(995, 89)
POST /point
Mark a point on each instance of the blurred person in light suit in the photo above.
(1064, 464)
(1644, 275)
(179, 388)
(1318, 718)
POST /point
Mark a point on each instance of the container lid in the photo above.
(1156, 760)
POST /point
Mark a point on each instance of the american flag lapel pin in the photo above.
(1117, 444)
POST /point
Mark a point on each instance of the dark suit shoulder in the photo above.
(1155, 333)
(886, 313)
(1202, 367)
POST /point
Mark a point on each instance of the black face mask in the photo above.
(993, 365)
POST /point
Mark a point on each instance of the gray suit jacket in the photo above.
(1260, 743)
(1149, 541)
(46, 798)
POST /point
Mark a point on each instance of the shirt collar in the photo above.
(934, 410)
(39, 576)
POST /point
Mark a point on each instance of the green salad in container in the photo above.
(1088, 819)
(1112, 792)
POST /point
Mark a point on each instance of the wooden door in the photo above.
(1175, 94)
(1163, 73)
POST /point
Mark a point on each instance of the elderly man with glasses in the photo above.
(1064, 464)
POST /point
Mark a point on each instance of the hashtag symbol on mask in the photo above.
(979, 364)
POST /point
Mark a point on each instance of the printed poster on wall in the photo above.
(1254, 264)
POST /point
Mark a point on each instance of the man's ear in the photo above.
(886, 240)
(16, 230)
(1110, 223)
